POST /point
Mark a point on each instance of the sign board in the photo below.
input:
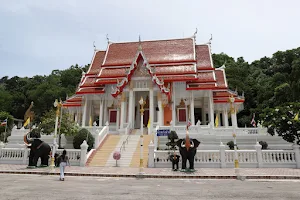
(163, 132)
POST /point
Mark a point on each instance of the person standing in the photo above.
(64, 161)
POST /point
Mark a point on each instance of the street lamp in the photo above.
(232, 110)
(142, 103)
(57, 105)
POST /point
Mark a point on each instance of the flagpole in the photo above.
(5, 130)
(59, 142)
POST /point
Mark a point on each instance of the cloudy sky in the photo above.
(39, 36)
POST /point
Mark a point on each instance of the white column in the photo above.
(101, 113)
(225, 118)
(211, 109)
(84, 113)
(160, 112)
(233, 119)
(218, 115)
(192, 108)
(174, 106)
(203, 112)
(105, 111)
(151, 110)
(118, 119)
(130, 111)
(122, 120)
(76, 116)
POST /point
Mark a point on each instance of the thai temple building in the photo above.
(135, 93)
(176, 79)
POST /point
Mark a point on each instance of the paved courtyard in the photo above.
(227, 173)
(28, 187)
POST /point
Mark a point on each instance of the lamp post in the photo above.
(57, 105)
(232, 110)
(142, 103)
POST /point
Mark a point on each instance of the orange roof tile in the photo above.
(112, 73)
(97, 62)
(205, 77)
(98, 90)
(220, 76)
(88, 81)
(156, 52)
(175, 69)
(203, 57)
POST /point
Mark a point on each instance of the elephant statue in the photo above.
(38, 149)
(187, 150)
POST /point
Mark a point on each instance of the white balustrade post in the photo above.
(259, 155)
(151, 155)
(25, 156)
(222, 155)
(1, 145)
(107, 126)
(297, 155)
(83, 158)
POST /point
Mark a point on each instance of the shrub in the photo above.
(81, 136)
(264, 145)
(172, 137)
(230, 145)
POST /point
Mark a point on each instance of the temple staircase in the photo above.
(135, 161)
(127, 151)
(103, 153)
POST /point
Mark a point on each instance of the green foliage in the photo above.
(82, 135)
(17, 93)
(172, 137)
(282, 120)
(230, 144)
(67, 127)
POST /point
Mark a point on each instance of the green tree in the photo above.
(282, 121)
(65, 126)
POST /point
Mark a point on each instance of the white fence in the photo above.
(225, 158)
(19, 156)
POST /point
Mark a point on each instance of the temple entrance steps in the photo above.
(104, 152)
(135, 161)
(126, 153)
(138, 131)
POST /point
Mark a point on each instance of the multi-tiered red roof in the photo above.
(166, 61)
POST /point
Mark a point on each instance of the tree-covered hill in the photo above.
(17, 93)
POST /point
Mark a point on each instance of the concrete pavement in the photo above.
(202, 173)
(38, 187)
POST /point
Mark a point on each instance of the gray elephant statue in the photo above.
(187, 150)
(38, 149)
